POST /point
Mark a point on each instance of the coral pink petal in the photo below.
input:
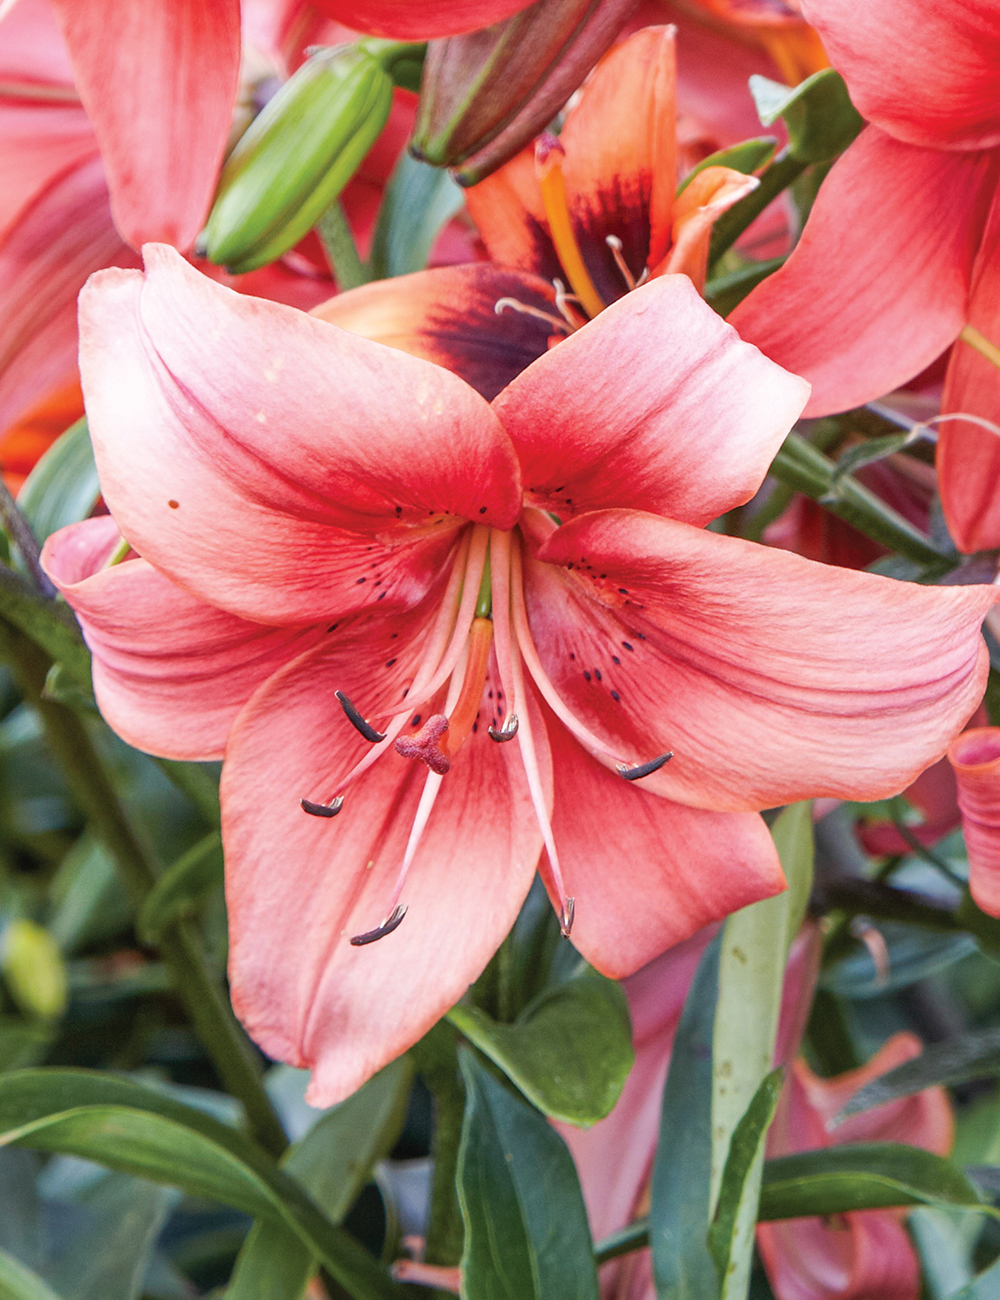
(866, 1256)
(510, 216)
(621, 158)
(298, 887)
(170, 672)
(63, 235)
(975, 756)
(968, 455)
(158, 81)
(32, 49)
(770, 677)
(38, 145)
(656, 404)
(274, 465)
(938, 89)
(877, 287)
(419, 20)
(448, 315)
(647, 873)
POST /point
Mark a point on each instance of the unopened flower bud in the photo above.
(298, 155)
(33, 969)
(486, 95)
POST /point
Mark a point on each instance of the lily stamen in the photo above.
(359, 723)
(513, 304)
(322, 809)
(643, 769)
(615, 244)
(548, 168)
(507, 732)
(391, 922)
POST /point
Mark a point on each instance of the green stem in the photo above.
(229, 1048)
(335, 235)
(801, 466)
(777, 176)
(437, 1060)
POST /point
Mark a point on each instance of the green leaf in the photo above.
(862, 1176)
(526, 1233)
(140, 1131)
(50, 625)
(957, 1060)
(984, 1287)
(88, 897)
(181, 889)
(20, 1283)
(63, 488)
(725, 293)
(754, 952)
(418, 202)
(914, 954)
(744, 157)
(569, 1051)
(679, 1213)
(332, 1162)
(740, 1190)
(107, 1259)
(867, 453)
(944, 1240)
(818, 113)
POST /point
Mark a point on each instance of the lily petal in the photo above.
(646, 406)
(975, 756)
(419, 20)
(877, 287)
(772, 678)
(170, 672)
(938, 90)
(647, 873)
(299, 887)
(448, 315)
(274, 465)
(968, 455)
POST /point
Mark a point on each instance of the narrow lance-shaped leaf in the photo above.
(818, 113)
(755, 946)
(569, 1051)
(418, 202)
(526, 1232)
(63, 487)
(182, 887)
(679, 1212)
(17, 1282)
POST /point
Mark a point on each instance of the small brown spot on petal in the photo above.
(173, 504)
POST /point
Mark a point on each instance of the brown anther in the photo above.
(425, 744)
(322, 809)
(359, 723)
(566, 917)
(391, 922)
(507, 732)
(643, 769)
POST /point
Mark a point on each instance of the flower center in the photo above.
(482, 623)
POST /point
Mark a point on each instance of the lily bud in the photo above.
(33, 968)
(486, 95)
(298, 155)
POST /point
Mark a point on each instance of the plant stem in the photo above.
(437, 1060)
(336, 238)
(229, 1048)
(777, 176)
(803, 467)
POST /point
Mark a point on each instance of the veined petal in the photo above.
(510, 216)
(770, 677)
(656, 404)
(938, 88)
(968, 455)
(299, 887)
(647, 873)
(419, 20)
(170, 672)
(38, 144)
(876, 288)
(32, 49)
(448, 315)
(158, 81)
(274, 465)
(975, 756)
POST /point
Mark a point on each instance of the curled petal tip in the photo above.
(391, 922)
(322, 809)
(357, 721)
(507, 732)
(643, 769)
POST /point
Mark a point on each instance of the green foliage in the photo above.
(526, 1233)
(818, 113)
(63, 487)
(569, 1051)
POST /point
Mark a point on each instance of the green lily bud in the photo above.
(298, 155)
(486, 95)
(33, 968)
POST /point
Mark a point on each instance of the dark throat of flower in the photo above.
(483, 620)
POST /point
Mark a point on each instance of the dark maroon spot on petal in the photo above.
(586, 675)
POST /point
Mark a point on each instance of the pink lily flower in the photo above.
(898, 256)
(315, 513)
(975, 758)
(865, 1255)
